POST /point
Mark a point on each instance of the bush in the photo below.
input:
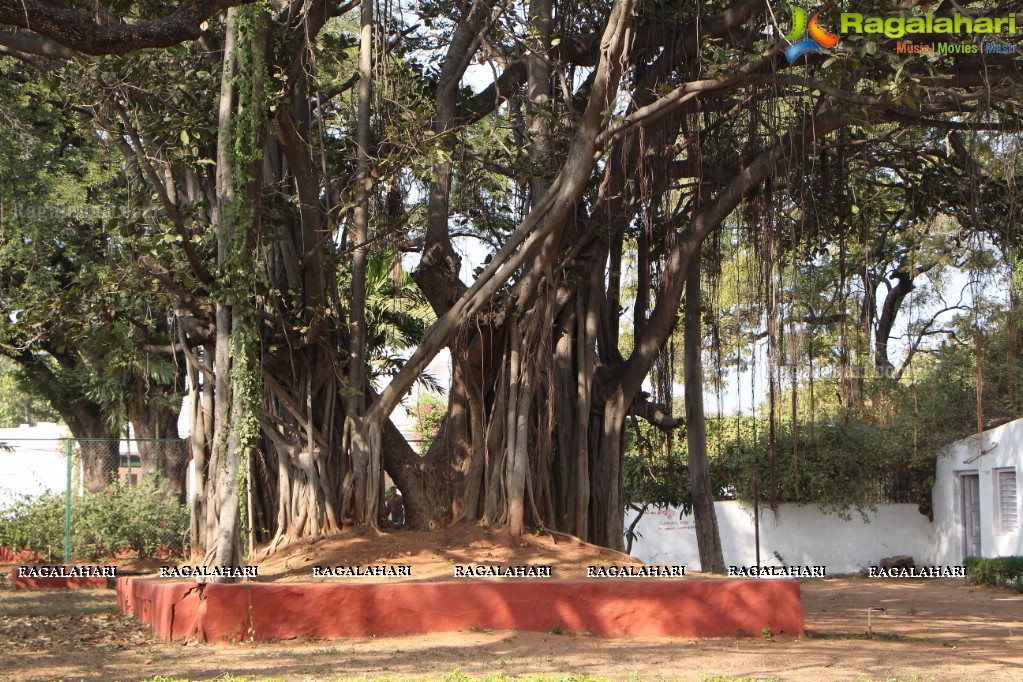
(429, 412)
(35, 523)
(142, 520)
(139, 519)
(999, 572)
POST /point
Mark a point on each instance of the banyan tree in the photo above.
(287, 149)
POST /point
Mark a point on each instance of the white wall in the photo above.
(801, 534)
(1002, 447)
(36, 462)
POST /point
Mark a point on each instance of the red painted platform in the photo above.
(89, 582)
(610, 608)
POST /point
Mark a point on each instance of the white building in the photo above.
(976, 497)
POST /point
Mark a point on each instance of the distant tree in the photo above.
(18, 406)
(89, 336)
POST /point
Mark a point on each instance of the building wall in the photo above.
(35, 462)
(1002, 448)
(801, 534)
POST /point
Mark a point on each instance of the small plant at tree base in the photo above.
(767, 633)
(556, 630)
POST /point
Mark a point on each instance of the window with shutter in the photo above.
(1007, 502)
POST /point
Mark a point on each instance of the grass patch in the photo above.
(880, 636)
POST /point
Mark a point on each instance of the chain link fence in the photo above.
(118, 499)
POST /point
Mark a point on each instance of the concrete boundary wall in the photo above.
(801, 534)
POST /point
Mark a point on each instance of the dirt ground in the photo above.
(928, 630)
(433, 555)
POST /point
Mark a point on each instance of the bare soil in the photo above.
(927, 629)
(434, 555)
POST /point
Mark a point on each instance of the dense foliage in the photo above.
(17, 405)
(141, 521)
(1006, 571)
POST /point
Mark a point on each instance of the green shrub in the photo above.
(35, 523)
(140, 520)
(1000, 571)
(136, 519)
(429, 413)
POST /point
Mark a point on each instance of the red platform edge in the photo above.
(609, 608)
(87, 582)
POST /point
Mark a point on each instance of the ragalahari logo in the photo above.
(807, 37)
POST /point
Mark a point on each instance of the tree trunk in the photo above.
(200, 443)
(98, 445)
(237, 211)
(86, 420)
(161, 451)
(516, 477)
(707, 535)
(362, 438)
(886, 321)
(100, 463)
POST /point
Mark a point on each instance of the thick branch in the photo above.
(585, 50)
(657, 414)
(926, 330)
(176, 288)
(35, 44)
(138, 149)
(437, 275)
(541, 221)
(79, 31)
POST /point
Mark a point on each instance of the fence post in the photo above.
(67, 507)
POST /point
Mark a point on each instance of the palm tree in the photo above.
(397, 315)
